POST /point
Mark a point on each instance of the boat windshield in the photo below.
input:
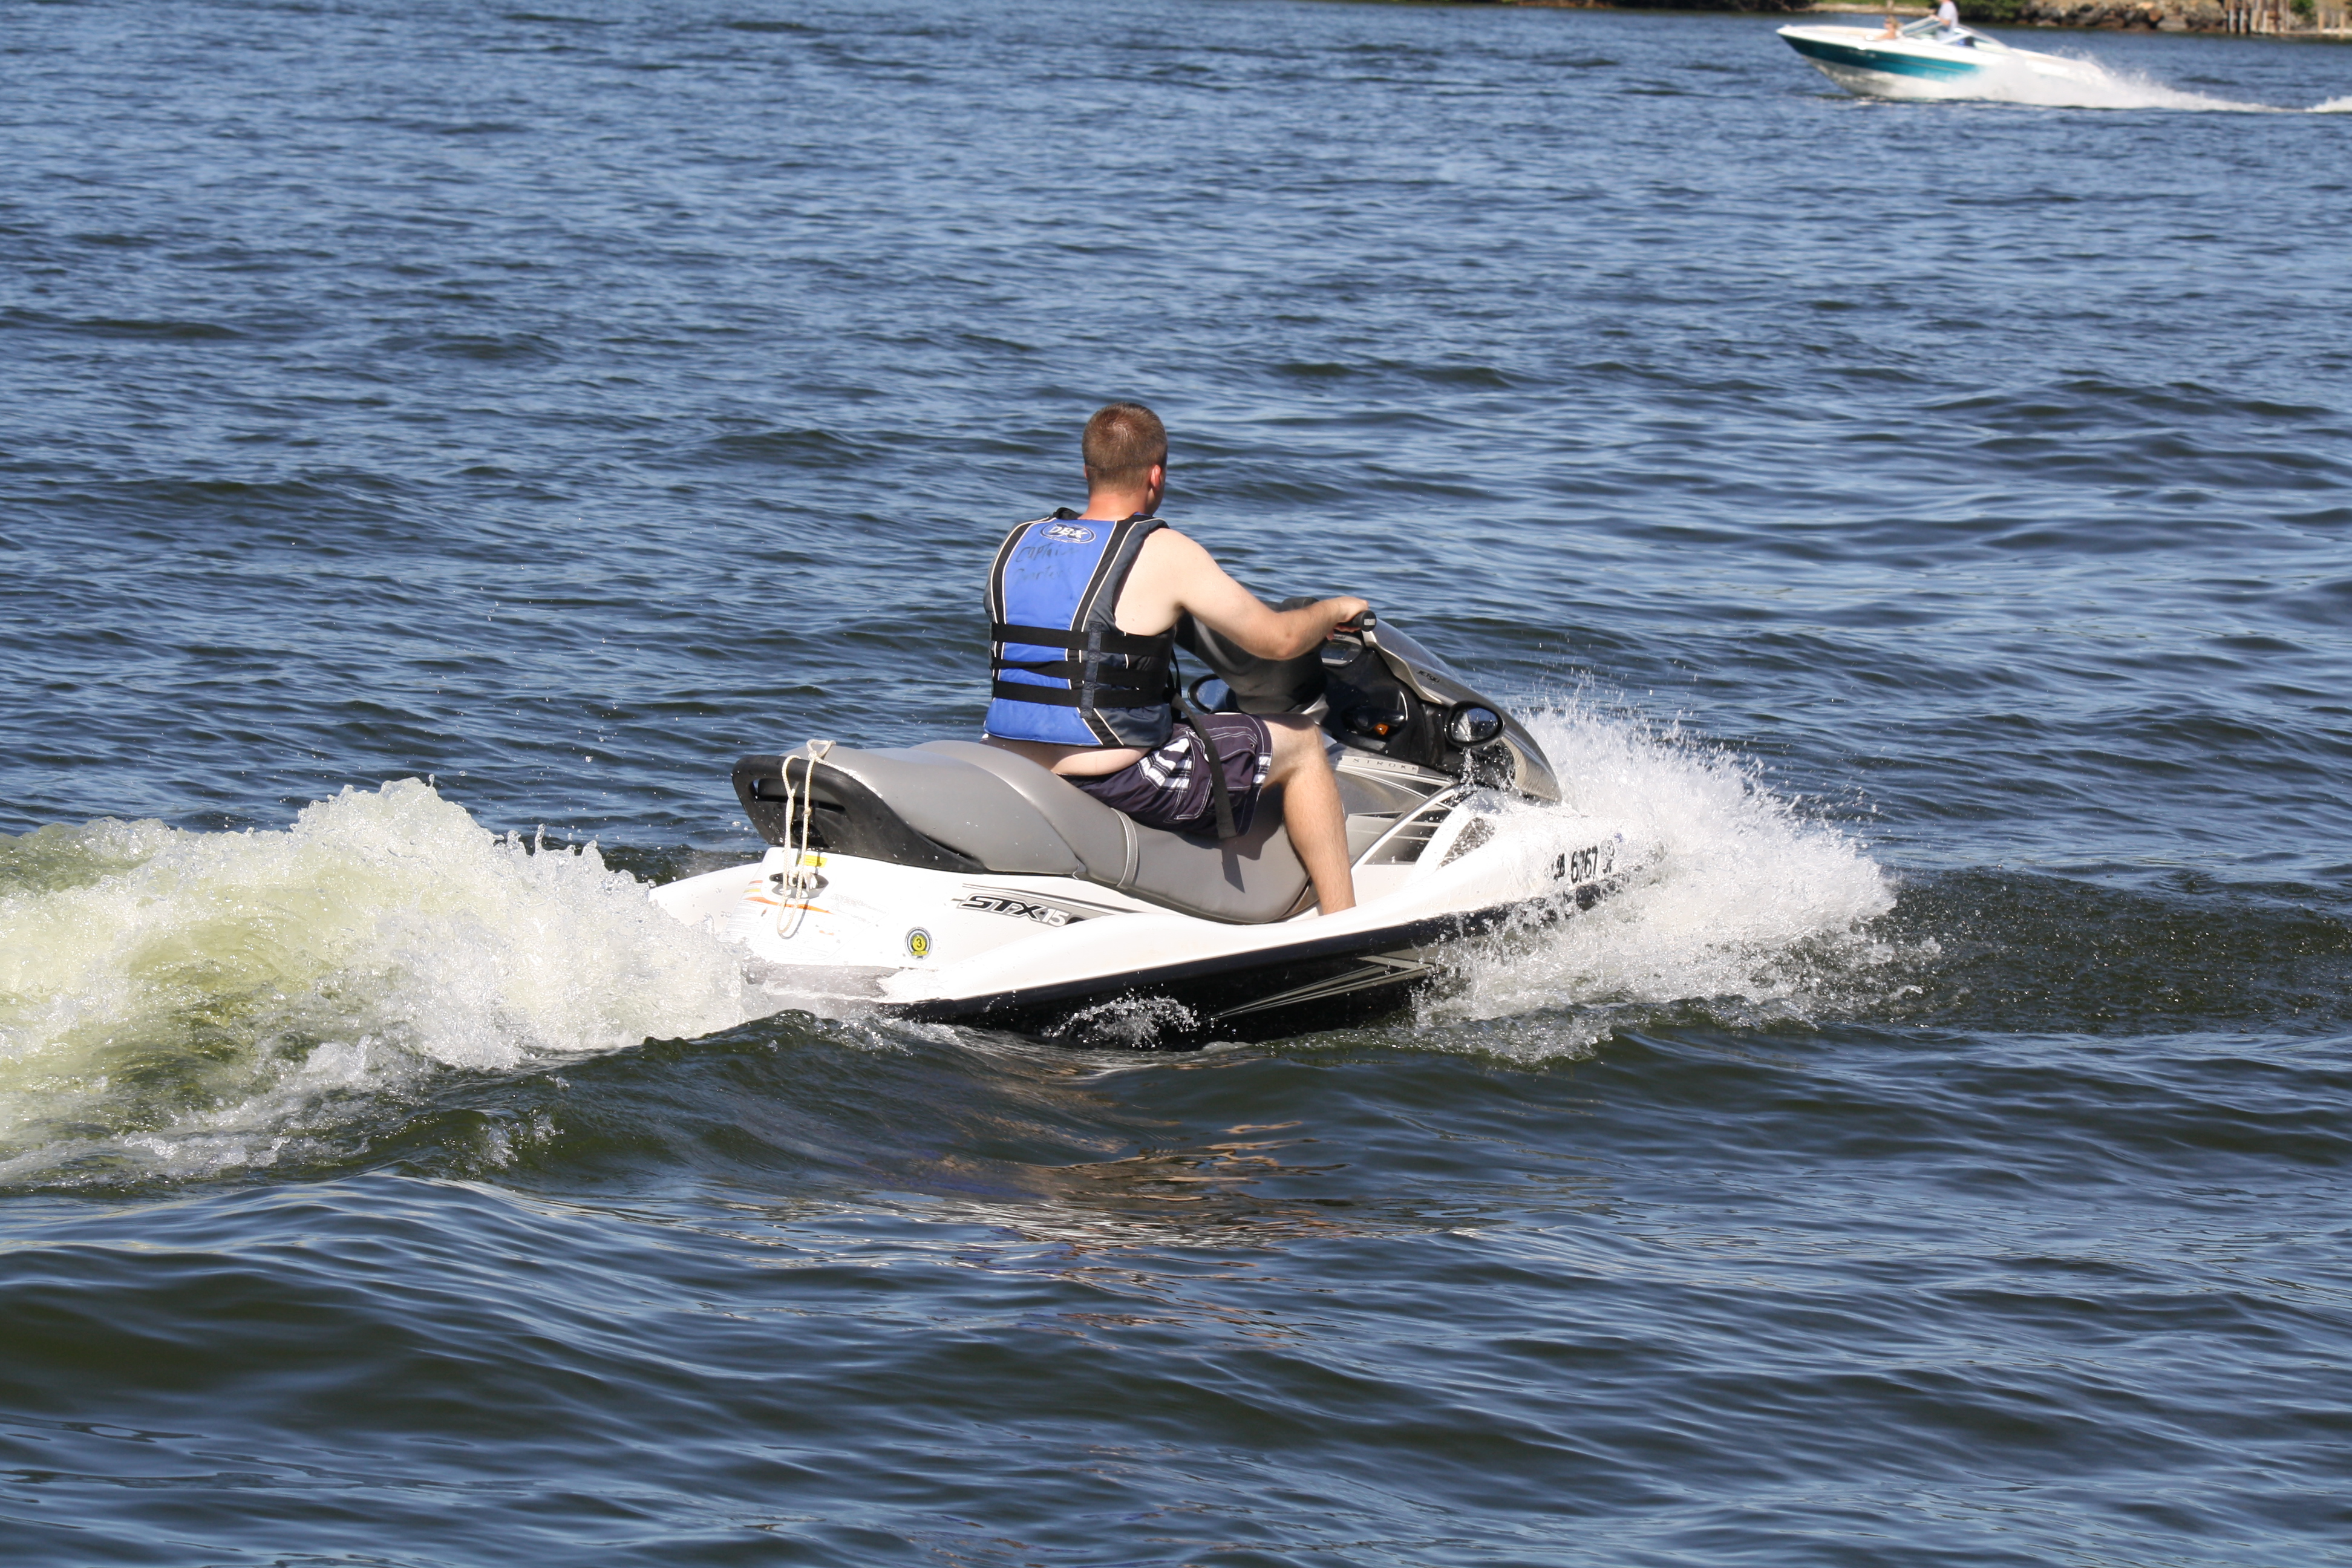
(1928, 30)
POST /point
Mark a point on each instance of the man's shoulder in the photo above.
(1176, 564)
(1168, 536)
(1169, 546)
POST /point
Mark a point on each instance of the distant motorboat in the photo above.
(1927, 59)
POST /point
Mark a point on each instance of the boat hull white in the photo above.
(1868, 64)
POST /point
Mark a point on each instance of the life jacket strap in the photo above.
(1146, 679)
(1062, 636)
(1220, 798)
(1099, 694)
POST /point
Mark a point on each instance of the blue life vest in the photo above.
(1063, 671)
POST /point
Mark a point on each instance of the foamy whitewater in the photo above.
(1734, 900)
(177, 1004)
(2106, 87)
(2096, 84)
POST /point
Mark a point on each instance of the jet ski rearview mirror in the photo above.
(1472, 724)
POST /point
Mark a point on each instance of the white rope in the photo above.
(802, 878)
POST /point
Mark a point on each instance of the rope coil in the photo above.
(801, 878)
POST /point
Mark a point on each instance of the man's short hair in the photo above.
(1123, 441)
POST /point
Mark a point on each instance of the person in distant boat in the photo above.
(1947, 15)
(1893, 30)
(1082, 610)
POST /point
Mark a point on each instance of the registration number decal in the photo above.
(1583, 865)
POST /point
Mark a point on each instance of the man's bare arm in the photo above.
(1174, 575)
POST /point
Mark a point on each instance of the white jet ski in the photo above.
(1927, 59)
(959, 881)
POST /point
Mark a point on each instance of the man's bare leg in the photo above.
(1311, 809)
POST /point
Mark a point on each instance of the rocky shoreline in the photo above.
(2283, 18)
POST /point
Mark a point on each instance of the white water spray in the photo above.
(2102, 86)
(1737, 905)
(176, 1003)
(2084, 83)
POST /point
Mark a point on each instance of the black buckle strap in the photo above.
(1106, 641)
(1079, 669)
(1100, 694)
(1221, 794)
(1144, 678)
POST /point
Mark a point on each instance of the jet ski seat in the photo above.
(958, 806)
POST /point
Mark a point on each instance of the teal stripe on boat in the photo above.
(1893, 64)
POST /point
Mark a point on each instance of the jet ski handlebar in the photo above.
(1375, 689)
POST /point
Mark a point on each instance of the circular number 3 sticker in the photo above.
(918, 942)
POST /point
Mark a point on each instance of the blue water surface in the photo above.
(1936, 518)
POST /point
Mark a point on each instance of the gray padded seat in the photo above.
(973, 813)
(1099, 838)
(1012, 816)
(1247, 880)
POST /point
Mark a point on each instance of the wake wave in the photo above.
(1739, 906)
(2090, 83)
(177, 1004)
(2102, 86)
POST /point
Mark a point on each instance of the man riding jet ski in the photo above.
(1083, 610)
(1099, 869)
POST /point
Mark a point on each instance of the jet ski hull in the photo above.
(1295, 988)
(1074, 961)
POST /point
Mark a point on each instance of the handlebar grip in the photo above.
(1359, 622)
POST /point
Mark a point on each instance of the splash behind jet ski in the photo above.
(959, 881)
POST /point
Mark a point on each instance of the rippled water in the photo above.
(435, 441)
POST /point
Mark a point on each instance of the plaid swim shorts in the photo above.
(1170, 788)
